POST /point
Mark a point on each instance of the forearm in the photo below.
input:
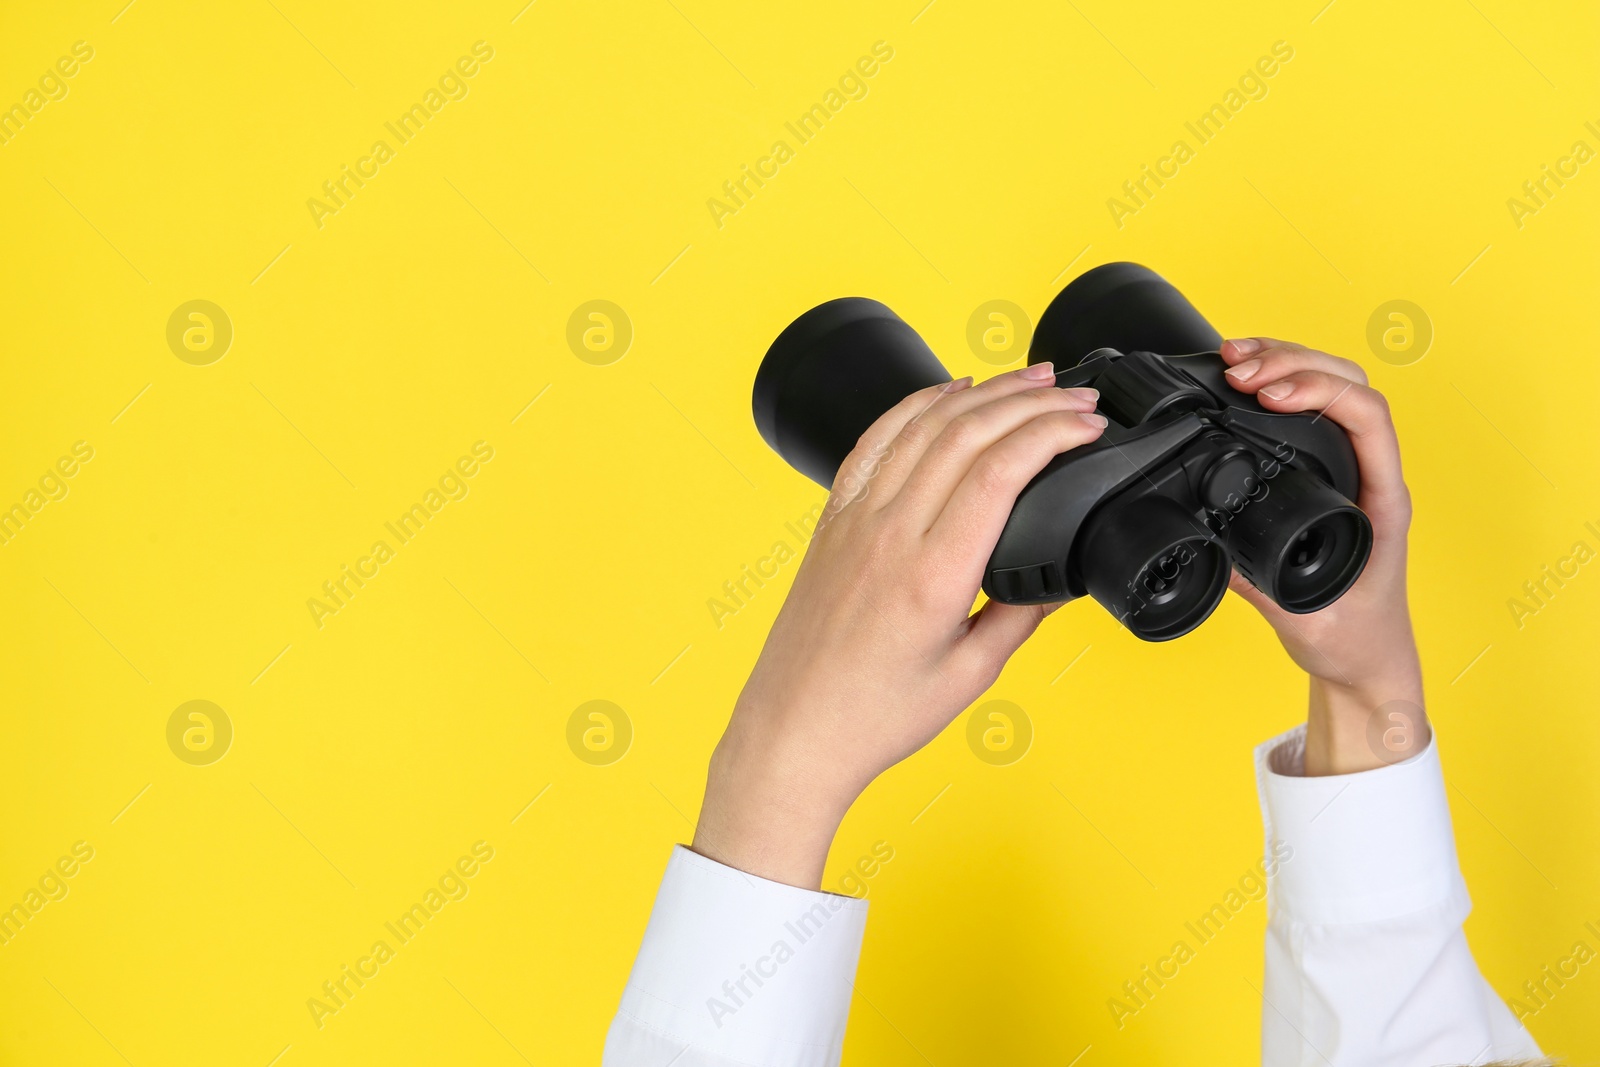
(1351, 729)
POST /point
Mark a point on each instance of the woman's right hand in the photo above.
(876, 649)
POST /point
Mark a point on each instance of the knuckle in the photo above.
(1069, 429)
(1276, 362)
(992, 474)
(1077, 429)
(852, 462)
(1060, 432)
(847, 489)
(883, 426)
(916, 434)
(961, 432)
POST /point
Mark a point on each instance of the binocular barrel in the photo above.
(829, 376)
(1122, 306)
(1302, 543)
(1157, 570)
(1153, 541)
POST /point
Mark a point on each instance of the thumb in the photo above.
(997, 631)
(1274, 615)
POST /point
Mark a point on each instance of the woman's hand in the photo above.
(1359, 651)
(875, 650)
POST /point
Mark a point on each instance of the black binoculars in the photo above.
(1189, 477)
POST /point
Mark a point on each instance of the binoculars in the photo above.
(1189, 479)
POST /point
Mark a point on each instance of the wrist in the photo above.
(768, 817)
(1354, 728)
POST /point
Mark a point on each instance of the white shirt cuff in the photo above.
(741, 967)
(1356, 848)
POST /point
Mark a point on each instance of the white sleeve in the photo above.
(1366, 959)
(736, 969)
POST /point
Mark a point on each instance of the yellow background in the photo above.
(425, 716)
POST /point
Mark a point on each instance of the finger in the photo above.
(853, 481)
(1244, 347)
(1271, 363)
(1362, 412)
(920, 432)
(970, 523)
(888, 450)
(874, 443)
(968, 435)
(993, 635)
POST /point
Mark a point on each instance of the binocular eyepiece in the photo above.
(1189, 480)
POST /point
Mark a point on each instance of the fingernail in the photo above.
(959, 384)
(1038, 372)
(1277, 390)
(1085, 394)
(1244, 371)
(1096, 420)
(1245, 345)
